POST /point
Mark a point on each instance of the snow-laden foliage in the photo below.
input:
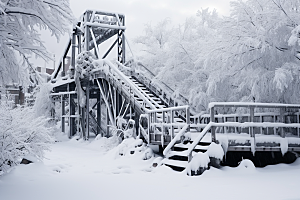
(43, 103)
(22, 134)
(20, 22)
(250, 56)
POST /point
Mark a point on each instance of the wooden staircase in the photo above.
(177, 157)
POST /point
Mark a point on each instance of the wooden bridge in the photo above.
(97, 97)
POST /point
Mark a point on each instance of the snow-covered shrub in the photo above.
(21, 134)
(43, 103)
(198, 164)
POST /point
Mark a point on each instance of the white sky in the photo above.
(137, 13)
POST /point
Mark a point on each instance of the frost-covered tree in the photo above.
(251, 55)
(155, 44)
(256, 56)
(180, 63)
(20, 22)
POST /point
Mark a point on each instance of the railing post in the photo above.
(172, 121)
(213, 129)
(252, 120)
(163, 121)
(281, 119)
(298, 123)
(62, 113)
(188, 121)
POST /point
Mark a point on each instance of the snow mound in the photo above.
(104, 143)
(246, 164)
(131, 147)
(198, 160)
(215, 150)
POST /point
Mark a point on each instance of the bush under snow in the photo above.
(21, 134)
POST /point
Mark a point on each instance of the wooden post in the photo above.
(298, 122)
(188, 121)
(172, 121)
(72, 119)
(86, 32)
(73, 55)
(87, 111)
(282, 134)
(62, 113)
(213, 129)
(252, 120)
(99, 112)
(107, 122)
(83, 122)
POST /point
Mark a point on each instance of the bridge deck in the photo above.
(242, 142)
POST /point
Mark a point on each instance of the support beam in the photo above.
(99, 112)
(87, 111)
(62, 114)
(213, 129)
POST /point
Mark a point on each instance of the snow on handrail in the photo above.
(199, 138)
(168, 109)
(252, 104)
(143, 92)
(130, 84)
(176, 138)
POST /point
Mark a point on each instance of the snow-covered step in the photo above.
(175, 163)
(176, 153)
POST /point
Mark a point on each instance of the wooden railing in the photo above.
(276, 118)
(166, 122)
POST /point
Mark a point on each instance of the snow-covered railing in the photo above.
(175, 139)
(159, 88)
(116, 77)
(278, 119)
(212, 125)
(166, 122)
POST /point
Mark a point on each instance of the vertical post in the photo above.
(213, 129)
(172, 126)
(86, 31)
(83, 122)
(252, 120)
(79, 43)
(107, 122)
(298, 123)
(162, 124)
(282, 134)
(188, 121)
(62, 113)
(261, 121)
(72, 118)
(99, 113)
(114, 99)
(123, 42)
(87, 111)
(72, 68)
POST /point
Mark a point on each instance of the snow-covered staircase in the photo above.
(177, 158)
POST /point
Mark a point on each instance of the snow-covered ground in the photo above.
(95, 170)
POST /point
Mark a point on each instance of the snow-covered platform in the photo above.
(243, 142)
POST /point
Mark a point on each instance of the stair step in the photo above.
(175, 164)
(176, 153)
(182, 147)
